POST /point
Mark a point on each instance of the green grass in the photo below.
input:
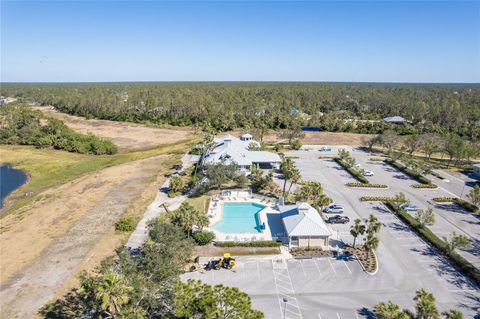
(200, 202)
(49, 168)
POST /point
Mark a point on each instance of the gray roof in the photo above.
(303, 220)
(231, 149)
(395, 119)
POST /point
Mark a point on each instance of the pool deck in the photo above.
(215, 215)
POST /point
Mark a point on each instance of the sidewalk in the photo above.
(140, 234)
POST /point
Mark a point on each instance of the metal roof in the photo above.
(303, 220)
(231, 149)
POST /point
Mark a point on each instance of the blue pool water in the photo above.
(239, 218)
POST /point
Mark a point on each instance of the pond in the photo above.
(10, 180)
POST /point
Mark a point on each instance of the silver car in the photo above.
(409, 208)
(334, 209)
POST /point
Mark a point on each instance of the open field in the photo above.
(62, 220)
(127, 136)
(48, 168)
(43, 248)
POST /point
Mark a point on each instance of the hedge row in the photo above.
(463, 265)
(467, 206)
(424, 186)
(444, 199)
(366, 185)
(260, 243)
(463, 203)
(422, 179)
(375, 199)
(437, 175)
(355, 174)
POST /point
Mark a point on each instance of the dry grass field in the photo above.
(127, 136)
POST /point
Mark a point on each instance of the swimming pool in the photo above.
(239, 218)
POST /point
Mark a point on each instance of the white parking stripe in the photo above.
(347, 267)
(338, 316)
(331, 265)
(303, 269)
(318, 268)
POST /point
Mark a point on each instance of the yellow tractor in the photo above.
(228, 262)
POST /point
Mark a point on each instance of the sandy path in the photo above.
(127, 136)
(49, 248)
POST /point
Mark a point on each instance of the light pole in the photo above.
(285, 300)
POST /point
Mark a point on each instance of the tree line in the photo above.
(21, 125)
(342, 107)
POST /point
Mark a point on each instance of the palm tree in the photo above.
(387, 310)
(373, 225)
(452, 314)
(112, 291)
(426, 305)
(294, 177)
(323, 200)
(371, 244)
(356, 230)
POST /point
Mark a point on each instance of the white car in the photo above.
(334, 209)
(368, 173)
(409, 208)
(357, 165)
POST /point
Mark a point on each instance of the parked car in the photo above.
(334, 209)
(337, 219)
(357, 165)
(409, 208)
(368, 173)
(326, 149)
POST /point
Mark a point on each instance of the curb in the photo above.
(376, 263)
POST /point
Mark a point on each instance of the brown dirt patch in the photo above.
(41, 251)
(127, 136)
(315, 138)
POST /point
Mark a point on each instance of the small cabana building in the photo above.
(304, 227)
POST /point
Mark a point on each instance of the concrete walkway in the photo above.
(140, 234)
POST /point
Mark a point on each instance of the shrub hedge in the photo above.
(355, 174)
(424, 186)
(467, 206)
(444, 199)
(463, 203)
(422, 179)
(260, 243)
(125, 224)
(375, 199)
(203, 237)
(463, 265)
(366, 185)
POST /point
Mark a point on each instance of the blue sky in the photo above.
(379, 41)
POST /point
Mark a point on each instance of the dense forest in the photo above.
(20, 124)
(330, 106)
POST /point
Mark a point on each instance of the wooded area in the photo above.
(340, 107)
(20, 124)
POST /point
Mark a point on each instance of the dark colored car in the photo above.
(338, 220)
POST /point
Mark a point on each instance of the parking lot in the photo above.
(449, 217)
(338, 288)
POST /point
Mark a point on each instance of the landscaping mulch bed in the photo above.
(210, 251)
(370, 265)
(310, 253)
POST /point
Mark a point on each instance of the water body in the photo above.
(10, 180)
